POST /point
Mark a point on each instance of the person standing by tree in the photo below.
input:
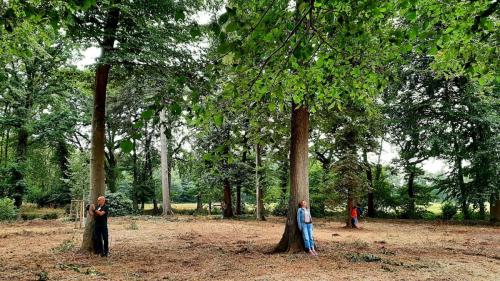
(101, 227)
(354, 216)
(304, 221)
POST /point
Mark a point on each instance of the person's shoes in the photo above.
(311, 253)
(315, 253)
(105, 255)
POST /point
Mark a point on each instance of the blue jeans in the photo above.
(307, 235)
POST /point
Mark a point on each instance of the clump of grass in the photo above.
(43, 276)
(133, 226)
(363, 257)
(360, 244)
(65, 246)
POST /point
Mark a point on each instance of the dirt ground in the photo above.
(187, 248)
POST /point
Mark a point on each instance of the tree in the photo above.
(123, 30)
(293, 56)
(34, 60)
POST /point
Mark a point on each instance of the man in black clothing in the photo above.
(101, 227)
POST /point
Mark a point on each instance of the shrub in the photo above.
(119, 204)
(50, 216)
(281, 210)
(448, 210)
(7, 209)
(29, 216)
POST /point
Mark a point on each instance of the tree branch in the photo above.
(266, 61)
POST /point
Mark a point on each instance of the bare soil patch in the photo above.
(186, 248)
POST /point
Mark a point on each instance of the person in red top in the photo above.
(354, 217)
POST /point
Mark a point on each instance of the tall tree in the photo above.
(133, 33)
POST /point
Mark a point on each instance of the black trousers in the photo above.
(101, 240)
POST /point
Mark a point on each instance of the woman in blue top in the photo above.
(304, 220)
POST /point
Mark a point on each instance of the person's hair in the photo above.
(300, 203)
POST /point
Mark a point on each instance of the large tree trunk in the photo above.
(238, 187)
(291, 241)
(6, 150)
(135, 175)
(494, 207)
(18, 171)
(411, 194)
(199, 203)
(238, 199)
(110, 168)
(62, 156)
(97, 150)
(350, 204)
(463, 191)
(228, 210)
(258, 187)
(148, 166)
(165, 183)
(369, 177)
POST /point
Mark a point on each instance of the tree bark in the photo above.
(497, 210)
(238, 200)
(350, 204)
(6, 151)
(97, 150)
(369, 177)
(165, 183)
(494, 207)
(411, 193)
(62, 156)
(199, 203)
(291, 241)
(18, 171)
(463, 191)
(228, 210)
(98, 124)
(238, 187)
(258, 187)
(135, 174)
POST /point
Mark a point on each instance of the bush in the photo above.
(50, 216)
(448, 210)
(7, 209)
(281, 210)
(30, 216)
(119, 204)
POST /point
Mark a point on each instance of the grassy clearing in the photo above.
(30, 211)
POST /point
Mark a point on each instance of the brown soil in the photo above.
(186, 248)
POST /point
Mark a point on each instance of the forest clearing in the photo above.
(201, 248)
(249, 140)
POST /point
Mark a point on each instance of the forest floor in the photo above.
(203, 248)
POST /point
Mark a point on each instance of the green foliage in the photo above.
(7, 209)
(449, 210)
(119, 204)
(66, 246)
(132, 226)
(79, 169)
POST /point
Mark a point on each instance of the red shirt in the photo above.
(354, 214)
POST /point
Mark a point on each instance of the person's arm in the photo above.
(100, 213)
(300, 217)
(91, 210)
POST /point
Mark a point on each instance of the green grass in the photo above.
(435, 208)
(31, 211)
(178, 206)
